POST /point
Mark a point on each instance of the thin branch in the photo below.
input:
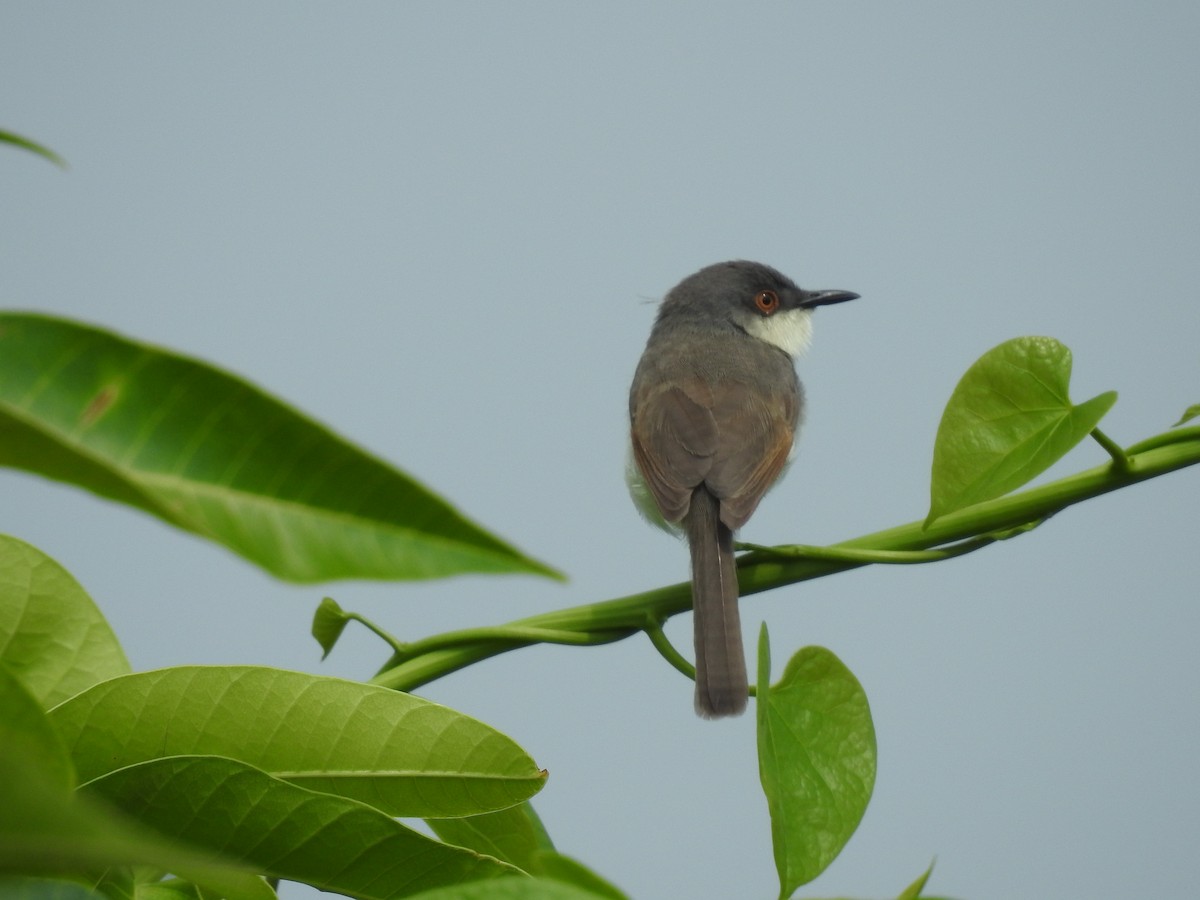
(667, 650)
(758, 571)
(1178, 436)
(884, 557)
(514, 633)
(398, 647)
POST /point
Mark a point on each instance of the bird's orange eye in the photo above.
(767, 302)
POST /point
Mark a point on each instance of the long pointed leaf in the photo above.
(47, 889)
(506, 834)
(16, 140)
(26, 732)
(52, 636)
(399, 753)
(216, 456)
(332, 843)
(517, 836)
(47, 830)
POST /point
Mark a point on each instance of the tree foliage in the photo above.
(221, 781)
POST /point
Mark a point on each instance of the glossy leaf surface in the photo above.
(26, 733)
(47, 830)
(332, 843)
(1009, 419)
(517, 836)
(816, 755)
(399, 753)
(212, 454)
(52, 635)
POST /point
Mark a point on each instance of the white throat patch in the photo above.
(790, 331)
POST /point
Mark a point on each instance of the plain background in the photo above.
(441, 229)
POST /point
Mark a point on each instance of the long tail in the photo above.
(720, 661)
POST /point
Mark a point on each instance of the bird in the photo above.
(714, 409)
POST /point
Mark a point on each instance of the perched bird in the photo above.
(714, 408)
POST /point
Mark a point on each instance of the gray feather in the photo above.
(720, 661)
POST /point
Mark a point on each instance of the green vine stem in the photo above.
(841, 553)
(667, 650)
(398, 647)
(1120, 460)
(763, 570)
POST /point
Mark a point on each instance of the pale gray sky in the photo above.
(439, 228)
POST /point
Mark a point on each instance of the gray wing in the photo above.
(726, 437)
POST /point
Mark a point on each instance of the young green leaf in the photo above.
(286, 831)
(52, 636)
(1188, 414)
(47, 830)
(329, 621)
(913, 891)
(816, 760)
(1009, 419)
(399, 753)
(216, 456)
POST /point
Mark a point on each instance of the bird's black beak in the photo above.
(824, 298)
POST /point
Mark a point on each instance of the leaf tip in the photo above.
(1188, 414)
(763, 675)
(913, 891)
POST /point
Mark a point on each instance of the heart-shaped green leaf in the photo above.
(212, 454)
(242, 813)
(399, 753)
(816, 759)
(52, 636)
(329, 621)
(1009, 419)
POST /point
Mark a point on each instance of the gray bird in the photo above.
(713, 409)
